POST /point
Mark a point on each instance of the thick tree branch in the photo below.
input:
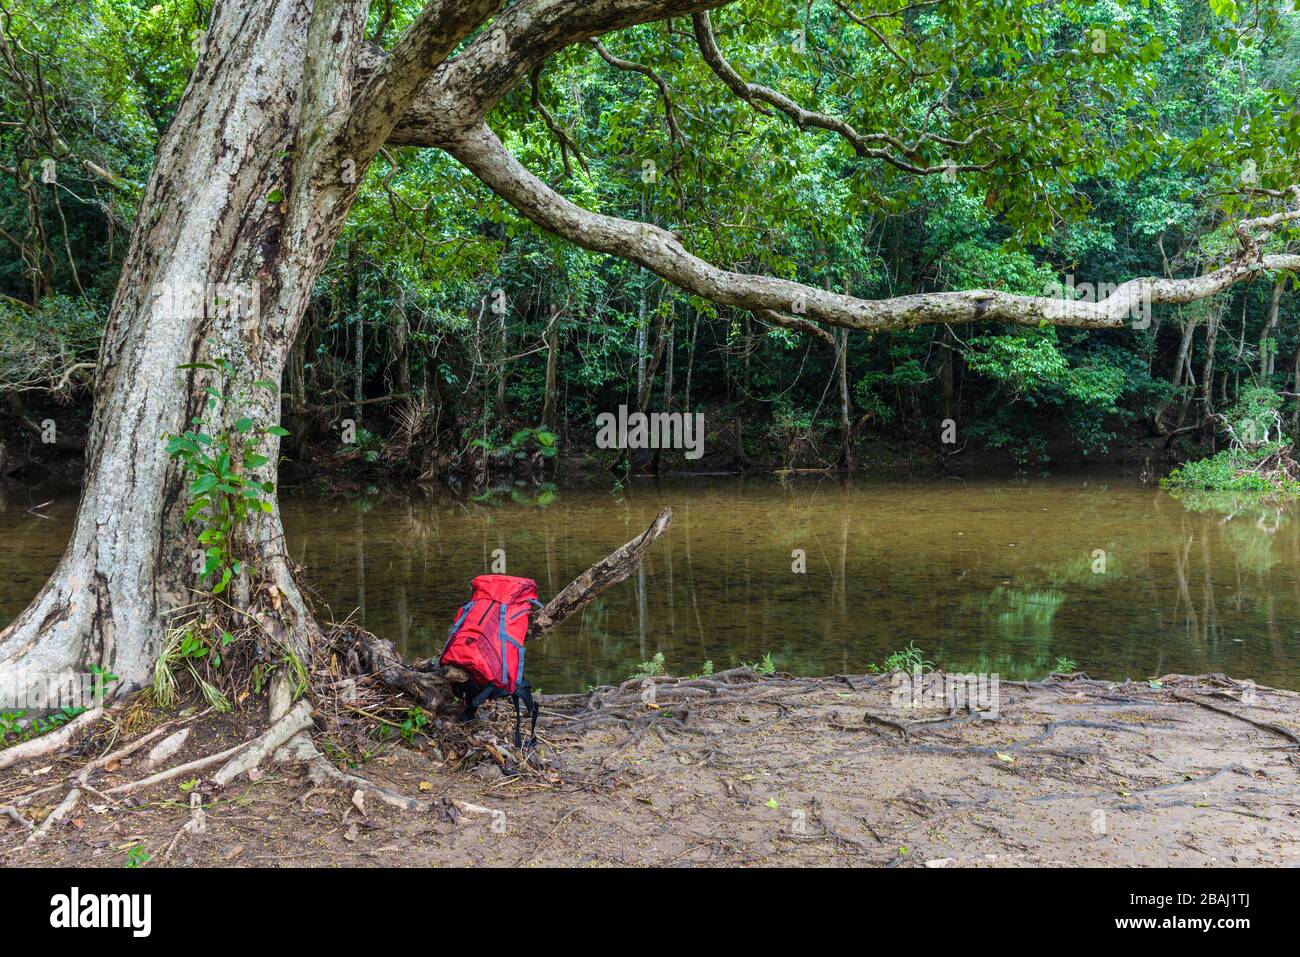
(463, 90)
(393, 87)
(661, 252)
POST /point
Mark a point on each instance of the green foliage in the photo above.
(188, 649)
(50, 349)
(137, 857)
(650, 669)
(1253, 421)
(220, 457)
(522, 443)
(13, 730)
(764, 666)
(1231, 470)
(910, 659)
(415, 723)
(1258, 459)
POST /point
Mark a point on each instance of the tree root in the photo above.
(177, 771)
(298, 718)
(12, 813)
(197, 823)
(47, 743)
(1262, 725)
(59, 813)
(300, 749)
(166, 748)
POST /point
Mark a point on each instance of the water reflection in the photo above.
(983, 575)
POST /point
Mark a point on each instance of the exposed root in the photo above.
(298, 718)
(171, 773)
(49, 743)
(319, 771)
(197, 823)
(165, 749)
(116, 756)
(1262, 725)
(11, 812)
(58, 814)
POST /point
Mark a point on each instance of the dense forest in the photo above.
(445, 324)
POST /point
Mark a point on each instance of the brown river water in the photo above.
(992, 575)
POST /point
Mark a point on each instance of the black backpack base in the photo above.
(475, 695)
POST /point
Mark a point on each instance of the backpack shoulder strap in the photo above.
(524, 693)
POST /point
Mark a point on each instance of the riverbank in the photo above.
(735, 769)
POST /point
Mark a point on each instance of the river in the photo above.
(825, 575)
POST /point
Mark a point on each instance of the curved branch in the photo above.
(795, 323)
(464, 89)
(669, 120)
(561, 135)
(662, 252)
(392, 88)
(754, 93)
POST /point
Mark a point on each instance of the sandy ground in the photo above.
(740, 770)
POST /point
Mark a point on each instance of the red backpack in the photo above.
(486, 641)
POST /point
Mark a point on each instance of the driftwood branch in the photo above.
(431, 685)
(610, 570)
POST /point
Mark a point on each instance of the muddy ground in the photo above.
(734, 770)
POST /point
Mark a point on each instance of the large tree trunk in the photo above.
(219, 209)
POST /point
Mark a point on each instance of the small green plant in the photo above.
(103, 678)
(187, 648)
(13, 731)
(522, 444)
(1066, 666)
(705, 671)
(650, 669)
(219, 457)
(415, 723)
(137, 856)
(764, 666)
(363, 445)
(910, 659)
(11, 726)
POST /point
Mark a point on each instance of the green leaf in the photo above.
(204, 483)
